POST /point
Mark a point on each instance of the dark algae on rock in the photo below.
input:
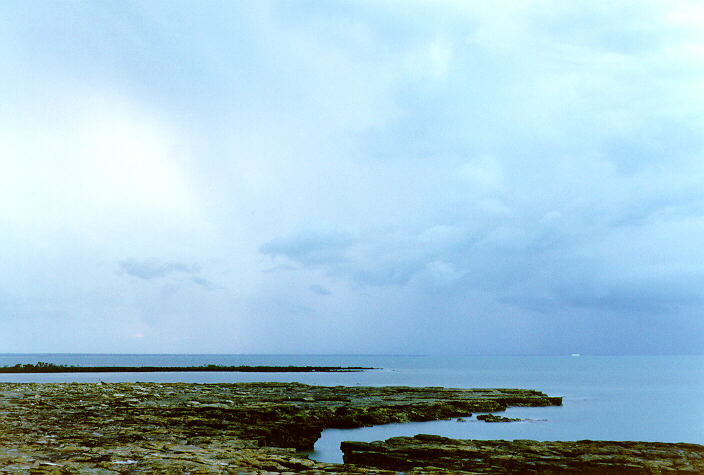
(206, 428)
(430, 452)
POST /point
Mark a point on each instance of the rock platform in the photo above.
(430, 453)
(209, 428)
(115, 428)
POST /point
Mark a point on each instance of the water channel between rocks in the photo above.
(575, 420)
(534, 422)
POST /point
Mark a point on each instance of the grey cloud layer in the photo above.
(519, 177)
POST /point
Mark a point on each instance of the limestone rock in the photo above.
(248, 427)
(525, 456)
(495, 418)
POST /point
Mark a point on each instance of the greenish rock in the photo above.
(422, 452)
(495, 418)
(153, 427)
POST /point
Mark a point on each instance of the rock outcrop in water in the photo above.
(152, 427)
(495, 418)
(430, 452)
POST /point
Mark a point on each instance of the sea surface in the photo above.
(647, 398)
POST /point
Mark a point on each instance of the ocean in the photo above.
(646, 398)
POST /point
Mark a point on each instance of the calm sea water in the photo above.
(649, 398)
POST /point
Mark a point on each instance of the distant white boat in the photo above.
(575, 354)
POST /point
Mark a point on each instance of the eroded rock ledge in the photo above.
(430, 452)
(148, 427)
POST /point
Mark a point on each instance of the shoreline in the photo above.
(49, 368)
(212, 427)
(263, 427)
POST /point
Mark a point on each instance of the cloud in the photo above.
(373, 259)
(521, 174)
(320, 290)
(312, 247)
(433, 61)
(155, 269)
(656, 297)
(205, 283)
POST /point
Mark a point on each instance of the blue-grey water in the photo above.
(649, 398)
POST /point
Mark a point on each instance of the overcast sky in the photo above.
(352, 177)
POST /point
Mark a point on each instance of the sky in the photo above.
(373, 177)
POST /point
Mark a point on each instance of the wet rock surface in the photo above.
(429, 452)
(495, 418)
(209, 428)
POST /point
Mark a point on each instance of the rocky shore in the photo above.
(430, 452)
(148, 427)
(259, 427)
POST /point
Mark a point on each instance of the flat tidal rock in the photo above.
(184, 427)
(430, 452)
